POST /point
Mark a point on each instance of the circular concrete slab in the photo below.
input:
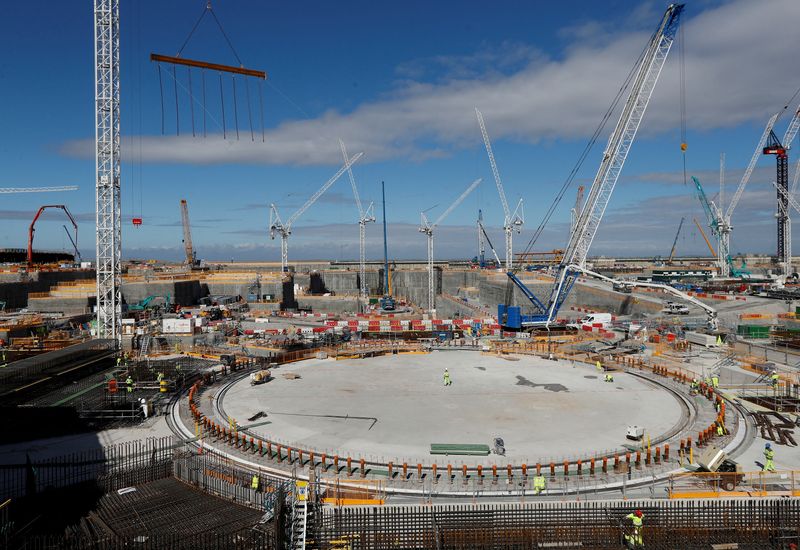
(392, 408)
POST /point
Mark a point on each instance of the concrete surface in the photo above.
(544, 410)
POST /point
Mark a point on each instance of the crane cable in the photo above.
(682, 58)
(587, 149)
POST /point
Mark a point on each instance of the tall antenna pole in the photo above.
(385, 247)
(107, 157)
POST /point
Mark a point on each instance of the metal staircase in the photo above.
(300, 513)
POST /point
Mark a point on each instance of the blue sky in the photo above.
(398, 81)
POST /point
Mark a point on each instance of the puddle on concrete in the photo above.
(591, 377)
(481, 368)
(522, 381)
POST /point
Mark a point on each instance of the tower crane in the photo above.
(574, 260)
(427, 228)
(675, 242)
(780, 149)
(512, 220)
(716, 222)
(284, 229)
(191, 253)
(364, 217)
(724, 226)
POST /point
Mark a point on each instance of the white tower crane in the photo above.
(725, 226)
(427, 228)
(107, 164)
(512, 220)
(285, 229)
(364, 217)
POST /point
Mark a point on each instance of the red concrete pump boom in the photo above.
(31, 229)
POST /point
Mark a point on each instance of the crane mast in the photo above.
(187, 235)
(427, 228)
(512, 220)
(614, 157)
(107, 164)
(780, 148)
(364, 217)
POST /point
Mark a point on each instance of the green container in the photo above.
(373, 301)
(753, 331)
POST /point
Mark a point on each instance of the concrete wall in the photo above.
(15, 292)
(329, 304)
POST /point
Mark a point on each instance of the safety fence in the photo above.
(220, 476)
(113, 467)
(734, 484)
(667, 524)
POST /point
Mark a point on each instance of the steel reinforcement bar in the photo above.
(766, 523)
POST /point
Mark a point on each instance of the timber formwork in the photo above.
(686, 525)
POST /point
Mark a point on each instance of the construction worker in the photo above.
(599, 366)
(539, 483)
(769, 454)
(774, 378)
(447, 381)
(609, 377)
(715, 380)
(119, 361)
(129, 384)
(707, 380)
(160, 377)
(637, 518)
(255, 482)
(720, 429)
(694, 386)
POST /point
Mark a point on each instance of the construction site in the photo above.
(516, 399)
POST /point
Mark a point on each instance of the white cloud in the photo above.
(738, 56)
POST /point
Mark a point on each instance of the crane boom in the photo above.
(622, 137)
(711, 210)
(675, 242)
(321, 190)
(703, 233)
(749, 171)
(352, 180)
(791, 130)
(495, 172)
(790, 199)
(5, 190)
(458, 201)
(187, 233)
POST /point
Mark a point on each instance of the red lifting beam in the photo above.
(204, 65)
(31, 229)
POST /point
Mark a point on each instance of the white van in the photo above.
(592, 319)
